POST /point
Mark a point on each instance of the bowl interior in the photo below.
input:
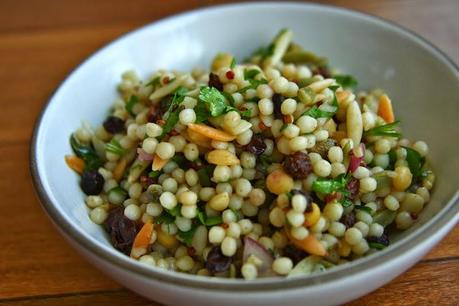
(423, 85)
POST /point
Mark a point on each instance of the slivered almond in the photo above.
(354, 123)
(318, 86)
(119, 169)
(158, 163)
(197, 138)
(222, 158)
(210, 132)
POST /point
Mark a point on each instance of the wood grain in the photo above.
(40, 43)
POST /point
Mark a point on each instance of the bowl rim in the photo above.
(445, 216)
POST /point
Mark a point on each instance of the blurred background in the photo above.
(41, 41)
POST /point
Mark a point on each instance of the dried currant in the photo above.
(214, 81)
(298, 165)
(295, 254)
(122, 230)
(353, 187)
(277, 101)
(348, 219)
(92, 182)
(216, 261)
(383, 239)
(256, 145)
(114, 125)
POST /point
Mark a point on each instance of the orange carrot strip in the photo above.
(309, 244)
(211, 132)
(75, 163)
(158, 163)
(166, 240)
(119, 170)
(142, 240)
(385, 110)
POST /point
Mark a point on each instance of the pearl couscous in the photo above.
(270, 167)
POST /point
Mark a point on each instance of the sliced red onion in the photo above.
(357, 159)
(252, 247)
(144, 156)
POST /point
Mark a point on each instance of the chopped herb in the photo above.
(387, 130)
(119, 191)
(154, 174)
(214, 103)
(304, 57)
(364, 208)
(165, 218)
(187, 237)
(133, 100)
(284, 126)
(249, 75)
(181, 161)
(154, 82)
(204, 176)
(208, 221)
(91, 160)
(289, 195)
(228, 97)
(202, 114)
(236, 213)
(114, 147)
(346, 202)
(376, 245)
(174, 110)
(415, 162)
(346, 81)
(327, 186)
(233, 63)
(392, 159)
(315, 112)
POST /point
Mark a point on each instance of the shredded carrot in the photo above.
(210, 132)
(142, 240)
(119, 169)
(75, 163)
(158, 163)
(385, 110)
(309, 244)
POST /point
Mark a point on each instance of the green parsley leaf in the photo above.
(233, 63)
(181, 161)
(364, 208)
(154, 174)
(202, 114)
(376, 245)
(346, 81)
(208, 221)
(187, 237)
(173, 111)
(114, 147)
(165, 218)
(174, 211)
(120, 192)
(92, 161)
(228, 97)
(204, 175)
(327, 186)
(133, 100)
(388, 130)
(214, 100)
(315, 112)
(392, 159)
(415, 162)
(345, 202)
(154, 82)
(250, 74)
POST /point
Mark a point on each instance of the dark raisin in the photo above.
(277, 101)
(92, 182)
(353, 187)
(214, 81)
(307, 196)
(323, 71)
(256, 145)
(295, 254)
(298, 165)
(122, 230)
(154, 114)
(114, 125)
(383, 239)
(216, 261)
(164, 104)
(322, 147)
(348, 219)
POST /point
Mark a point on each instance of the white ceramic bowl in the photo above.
(423, 83)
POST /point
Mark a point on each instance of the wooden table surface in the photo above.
(40, 43)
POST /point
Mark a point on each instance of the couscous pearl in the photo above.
(335, 154)
(149, 145)
(367, 184)
(233, 230)
(294, 218)
(222, 174)
(229, 246)
(191, 177)
(362, 227)
(280, 85)
(187, 116)
(248, 160)
(179, 143)
(246, 226)
(132, 212)
(148, 260)
(277, 217)
(154, 209)
(337, 169)
(307, 124)
(353, 236)
(382, 146)
(153, 130)
(243, 187)
(185, 263)
(249, 210)
(321, 135)
(168, 200)
(291, 131)
(364, 217)
(170, 184)
(282, 265)
(333, 211)
(224, 187)
(299, 233)
(257, 197)
(98, 215)
(219, 202)
(94, 201)
(266, 106)
(189, 211)
(403, 220)
(421, 147)
(165, 150)
(206, 193)
(228, 216)
(188, 198)
(337, 229)
(381, 160)
(183, 224)
(264, 91)
(249, 271)
(314, 157)
(288, 107)
(361, 172)
(216, 234)
(235, 202)
(299, 203)
(361, 247)
(391, 203)
(375, 230)
(191, 151)
(322, 168)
